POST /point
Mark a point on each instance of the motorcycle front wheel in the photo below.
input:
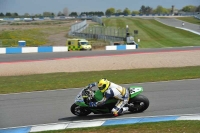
(79, 111)
(138, 104)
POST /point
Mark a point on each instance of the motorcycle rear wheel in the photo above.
(79, 111)
(138, 104)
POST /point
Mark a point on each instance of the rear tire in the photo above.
(79, 111)
(138, 104)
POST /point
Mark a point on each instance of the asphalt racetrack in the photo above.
(166, 98)
(76, 54)
(178, 23)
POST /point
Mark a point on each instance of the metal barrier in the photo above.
(99, 36)
(97, 32)
(98, 20)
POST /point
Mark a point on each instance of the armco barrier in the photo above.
(122, 47)
(97, 123)
(43, 49)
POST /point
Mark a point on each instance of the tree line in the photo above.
(110, 11)
(149, 10)
(51, 14)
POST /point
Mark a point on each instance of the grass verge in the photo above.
(35, 33)
(156, 127)
(153, 34)
(53, 81)
(33, 37)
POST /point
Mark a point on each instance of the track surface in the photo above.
(178, 23)
(77, 54)
(166, 98)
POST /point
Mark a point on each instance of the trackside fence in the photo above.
(98, 32)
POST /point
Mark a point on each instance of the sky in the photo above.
(40, 6)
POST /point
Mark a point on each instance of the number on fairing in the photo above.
(135, 90)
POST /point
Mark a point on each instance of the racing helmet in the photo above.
(103, 84)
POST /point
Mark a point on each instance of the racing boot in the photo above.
(121, 111)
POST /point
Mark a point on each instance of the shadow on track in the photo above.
(92, 117)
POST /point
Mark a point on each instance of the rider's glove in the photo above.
(92, 85)
(93, 104)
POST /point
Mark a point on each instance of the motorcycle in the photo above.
(137, 103)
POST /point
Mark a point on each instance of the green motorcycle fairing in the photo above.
(133, 90)
(99, 95)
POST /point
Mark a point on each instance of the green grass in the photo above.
(39, 22)
(53, 81)
(153, 34)
(156, 127)
(190, 20)
(32, 36)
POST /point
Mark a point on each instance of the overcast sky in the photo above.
(40, 6)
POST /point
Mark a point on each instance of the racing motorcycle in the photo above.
(137, 102)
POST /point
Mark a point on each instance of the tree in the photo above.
(65, 11)
(15, 14)
(60, 13)
(161, 10)
(91, 13)
(145, 10)
(99, 13)
(47, 14)
(189, 8)
(73, 14)
(118, 11)
(8, 14)
(148, 10)
(26, 15)
(83, 13)
(198, 9)
(142, 9)
(1, 14)
(135, 12)
(110, 11)
(126, 11)
(38, 15)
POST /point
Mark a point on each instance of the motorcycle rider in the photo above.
(110, 89)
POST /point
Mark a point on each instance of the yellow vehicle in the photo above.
(78, 44)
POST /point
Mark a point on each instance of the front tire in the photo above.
(79, 111)
(138, 104)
